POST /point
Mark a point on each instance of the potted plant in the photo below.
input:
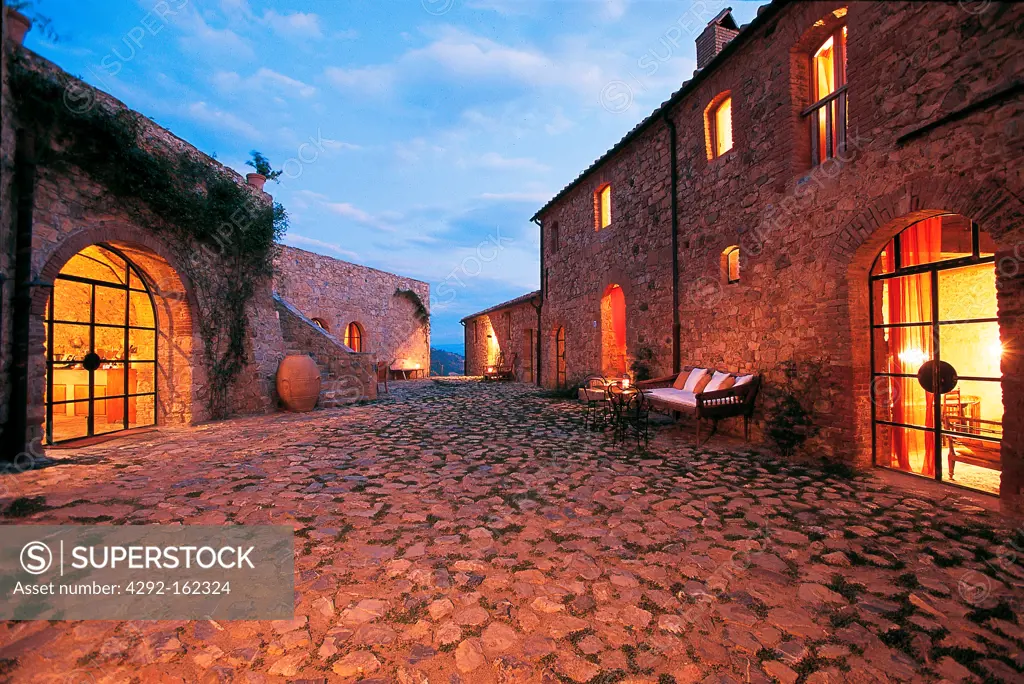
(264, 171)
(17, 23)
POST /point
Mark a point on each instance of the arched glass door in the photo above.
(100, 347)
(934, 323)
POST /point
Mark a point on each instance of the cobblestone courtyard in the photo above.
(462, 532)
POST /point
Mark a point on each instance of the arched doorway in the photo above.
(101, 347)
(560, 379)
(354, 336)
(613, 332)
(933, 301)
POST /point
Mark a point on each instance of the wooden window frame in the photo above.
(712, 123)
(729, 279)
(599, 215)
(839, 111)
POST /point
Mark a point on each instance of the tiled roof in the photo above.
(512, 302)
(764, 13)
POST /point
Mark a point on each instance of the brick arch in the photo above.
(998, 213)
(179, 373)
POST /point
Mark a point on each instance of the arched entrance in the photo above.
(613, 332)
(933, 312)
(101, 347)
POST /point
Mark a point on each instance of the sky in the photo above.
(415, 136)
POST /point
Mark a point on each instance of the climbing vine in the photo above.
(419, 308)
(183, 196)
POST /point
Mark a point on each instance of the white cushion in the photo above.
(668, 395)
(743, 380)
(696, 375)
(592, 394)
(718, 381)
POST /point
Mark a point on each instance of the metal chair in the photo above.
(594, 392)
(632, 408)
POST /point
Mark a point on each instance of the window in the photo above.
(555, 238)
(827, 116)
(731, 264)
(719, 126)
(508, 324)
(354, 337)
(321, 324)
(603, 207)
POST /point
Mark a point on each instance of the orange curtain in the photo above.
(910, 301)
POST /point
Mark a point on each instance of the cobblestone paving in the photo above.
(462, 532)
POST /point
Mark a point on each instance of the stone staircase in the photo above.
(345, 376)
(336, 386)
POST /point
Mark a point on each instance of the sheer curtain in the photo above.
(910, 301)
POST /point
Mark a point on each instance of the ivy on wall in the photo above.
(419, 308)
(223, 236)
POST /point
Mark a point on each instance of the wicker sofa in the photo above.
(713, 396)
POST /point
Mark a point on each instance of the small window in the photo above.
(555, 237)
(603, 207)
(508, 324)
(354, 337)
(321, 324)
(731, 264)
(719, 125)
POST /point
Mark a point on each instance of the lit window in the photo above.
(320, 324)
(604, 207)
(719, 125)
(731, 258)
(828, 114)
(354, 337)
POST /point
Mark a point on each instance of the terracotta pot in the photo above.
(298, 383)
(17, 26)
(256, 180)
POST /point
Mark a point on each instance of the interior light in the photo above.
(913, 357)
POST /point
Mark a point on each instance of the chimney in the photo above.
(714, 37)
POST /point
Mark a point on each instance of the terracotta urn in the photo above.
(298, 383)
(256, 180)
(17, 26)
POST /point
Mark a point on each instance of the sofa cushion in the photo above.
(720, 381)
(690, 382)
(743, 380)
(679, 399)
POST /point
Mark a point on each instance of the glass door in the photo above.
(934, 315)
(101, 348)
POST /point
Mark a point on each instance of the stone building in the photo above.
(507, 331)
(750, 224)
(371, 311)
(114, 316)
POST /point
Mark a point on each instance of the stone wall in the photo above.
(6, 220)
(71, 211)
(509, 329)
(808, 238)
(338, 293)
(346, 377)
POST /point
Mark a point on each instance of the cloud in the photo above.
(365, 80)
(559, 123)
(263, 80)
(201, 37)
(204, 113)
(298, 25)
(525, 197)
(346, 210)
(297, 240)
(493, 160)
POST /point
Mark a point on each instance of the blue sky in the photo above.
(416, 136)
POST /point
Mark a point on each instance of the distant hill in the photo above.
(445, 363)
